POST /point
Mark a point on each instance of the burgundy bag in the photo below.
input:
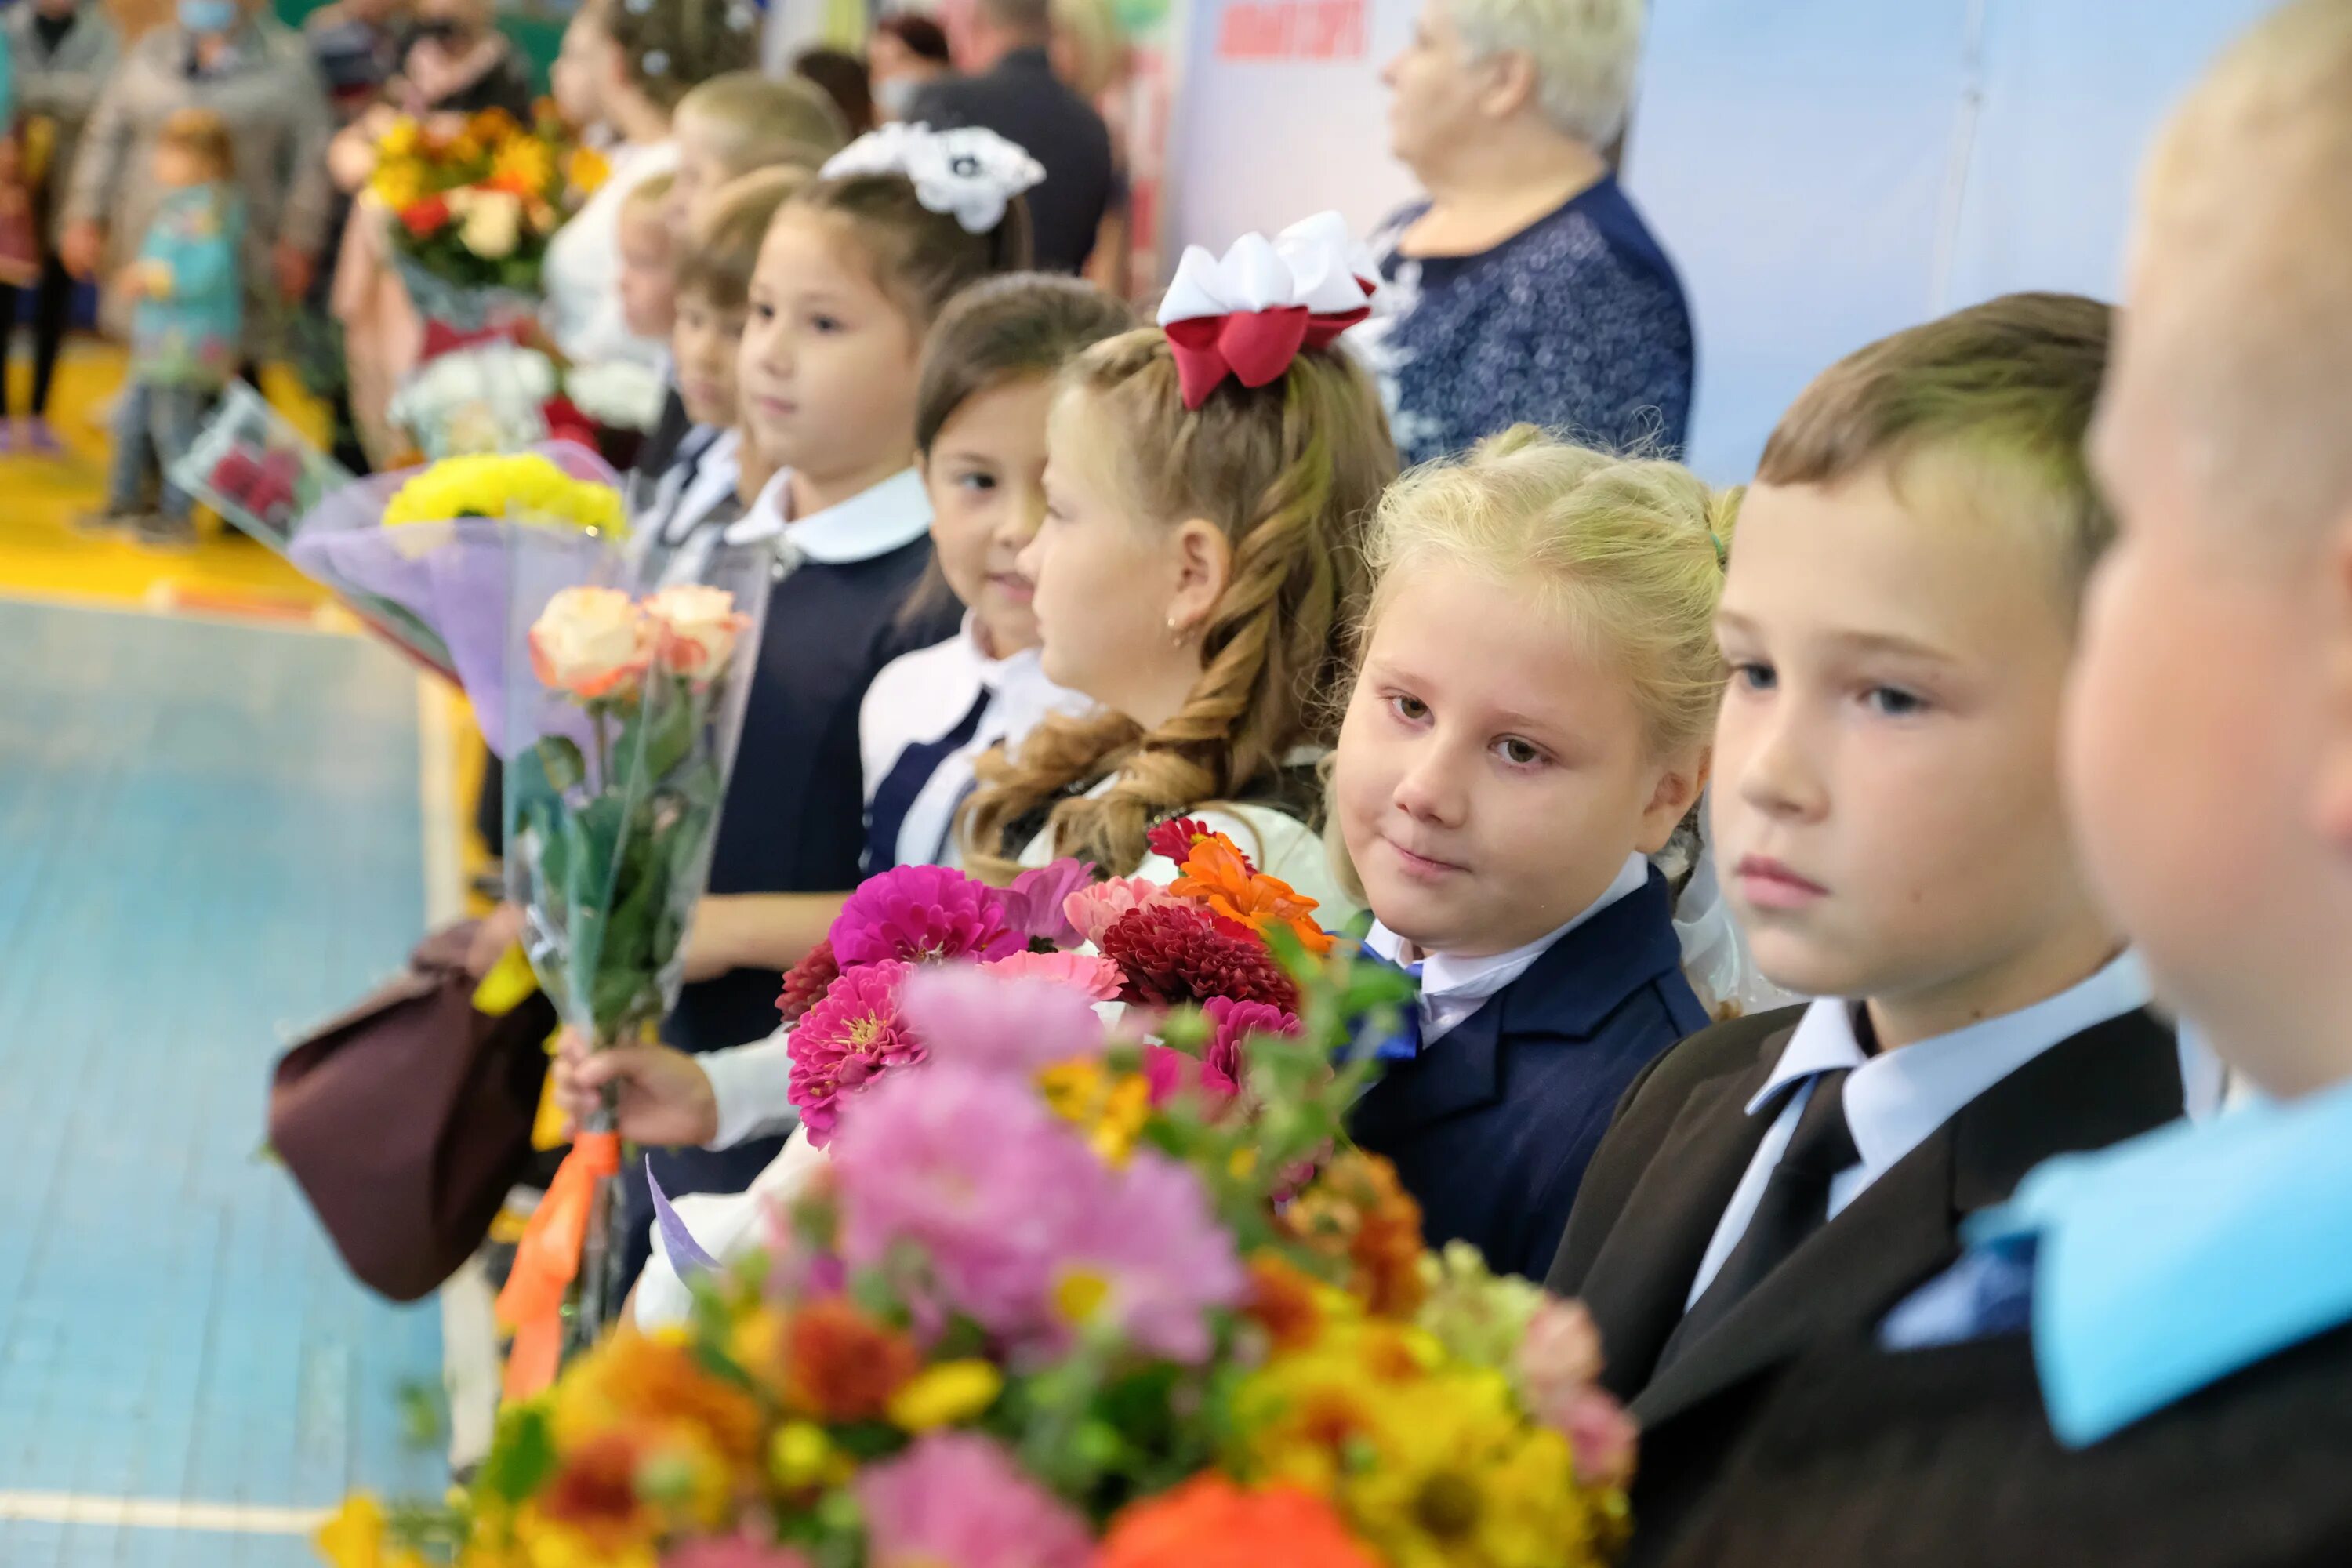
(407, 1120)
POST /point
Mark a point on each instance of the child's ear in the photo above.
(2334, 802)
(1204, 565)
(1680, 783)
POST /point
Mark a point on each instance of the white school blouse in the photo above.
(922, 696)
(582, 277)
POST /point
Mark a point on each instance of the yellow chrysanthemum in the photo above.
(398, 185)
(354, 1538)
(1109, 1108)
(1432, 1461)
(524, 165)
(947, 1395)
(588, 172)
(528, 489)
(404, 138)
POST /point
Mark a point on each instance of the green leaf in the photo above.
(523, 1457)
(560, 762)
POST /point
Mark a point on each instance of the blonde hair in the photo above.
(1634, 550)
(1584, 52)
(204, 135)
(647, 197)
(1291, 472)
(2007, 385)
(1089, 47)
(2240, 307)
(754, 122)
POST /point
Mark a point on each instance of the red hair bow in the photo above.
(1248, 314)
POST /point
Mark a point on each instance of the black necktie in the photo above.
(895, 796)
(1795, 1203)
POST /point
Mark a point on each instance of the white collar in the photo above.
(1443, 975)
(1896, 1099)
(875, 521)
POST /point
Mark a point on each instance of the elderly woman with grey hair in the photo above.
(1527, 288)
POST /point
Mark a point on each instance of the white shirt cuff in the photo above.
(753, 1088)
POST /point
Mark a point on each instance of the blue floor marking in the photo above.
(209, 834)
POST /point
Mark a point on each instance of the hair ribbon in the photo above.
(1249, 313)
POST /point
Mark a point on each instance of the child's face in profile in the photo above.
(829, 362)
(1107, 581)
(697, 177)
(705, 343)
(1492, 775)
(1887, 810)
(985, 473)
(647, 297)
(2207, 740)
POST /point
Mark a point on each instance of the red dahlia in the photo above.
(806, 982)
(1180, 952)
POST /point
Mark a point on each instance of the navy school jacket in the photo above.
(1492, 1125)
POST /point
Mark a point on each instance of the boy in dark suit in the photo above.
(1898, 617)
(2183, 1398)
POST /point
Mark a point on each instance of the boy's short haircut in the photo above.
(2006, 387)
(2245, 211)
(755, 121)
(719, 256)
(648, 195)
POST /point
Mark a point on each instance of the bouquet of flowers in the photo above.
(1059, 1300)
(473, 204)
(621, 713)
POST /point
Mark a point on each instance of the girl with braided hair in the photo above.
(1200, 565)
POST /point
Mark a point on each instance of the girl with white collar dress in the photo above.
(1529, 727)
(988, 376)
(852, 272)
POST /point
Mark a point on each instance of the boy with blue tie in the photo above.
(1898, 617)
(2146, 1359)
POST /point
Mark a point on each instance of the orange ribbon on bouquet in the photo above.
(547, 1260)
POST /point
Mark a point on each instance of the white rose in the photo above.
(696, 627)
(493, 225)
(589, 640)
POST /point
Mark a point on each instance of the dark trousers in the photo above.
(52, 309)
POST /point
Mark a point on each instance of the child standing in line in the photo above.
(1898, 616)
(1529, 724)
(2145, 1360)
(184, 328)
(649, 259)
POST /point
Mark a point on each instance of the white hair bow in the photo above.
(1248, 313)
(970, 175)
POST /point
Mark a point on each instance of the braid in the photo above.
(1290, 472)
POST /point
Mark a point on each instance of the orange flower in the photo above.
(596, 1492)
(1210, 1523)
(1282, 1303)
(1357, 1210)
(841, 1364)
(492, 126)
(648, 1386)
(1218, 874)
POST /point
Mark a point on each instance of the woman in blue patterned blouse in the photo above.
(1528, 289)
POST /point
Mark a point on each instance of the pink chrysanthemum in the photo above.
(1093, 911)
(1084, 973)
(1007, 1017)
(1011, 1208)
(920, 914)
(1222, 1067)
(958, 1500)
(846, 1040)
(1034, 903)
(1178, 952)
